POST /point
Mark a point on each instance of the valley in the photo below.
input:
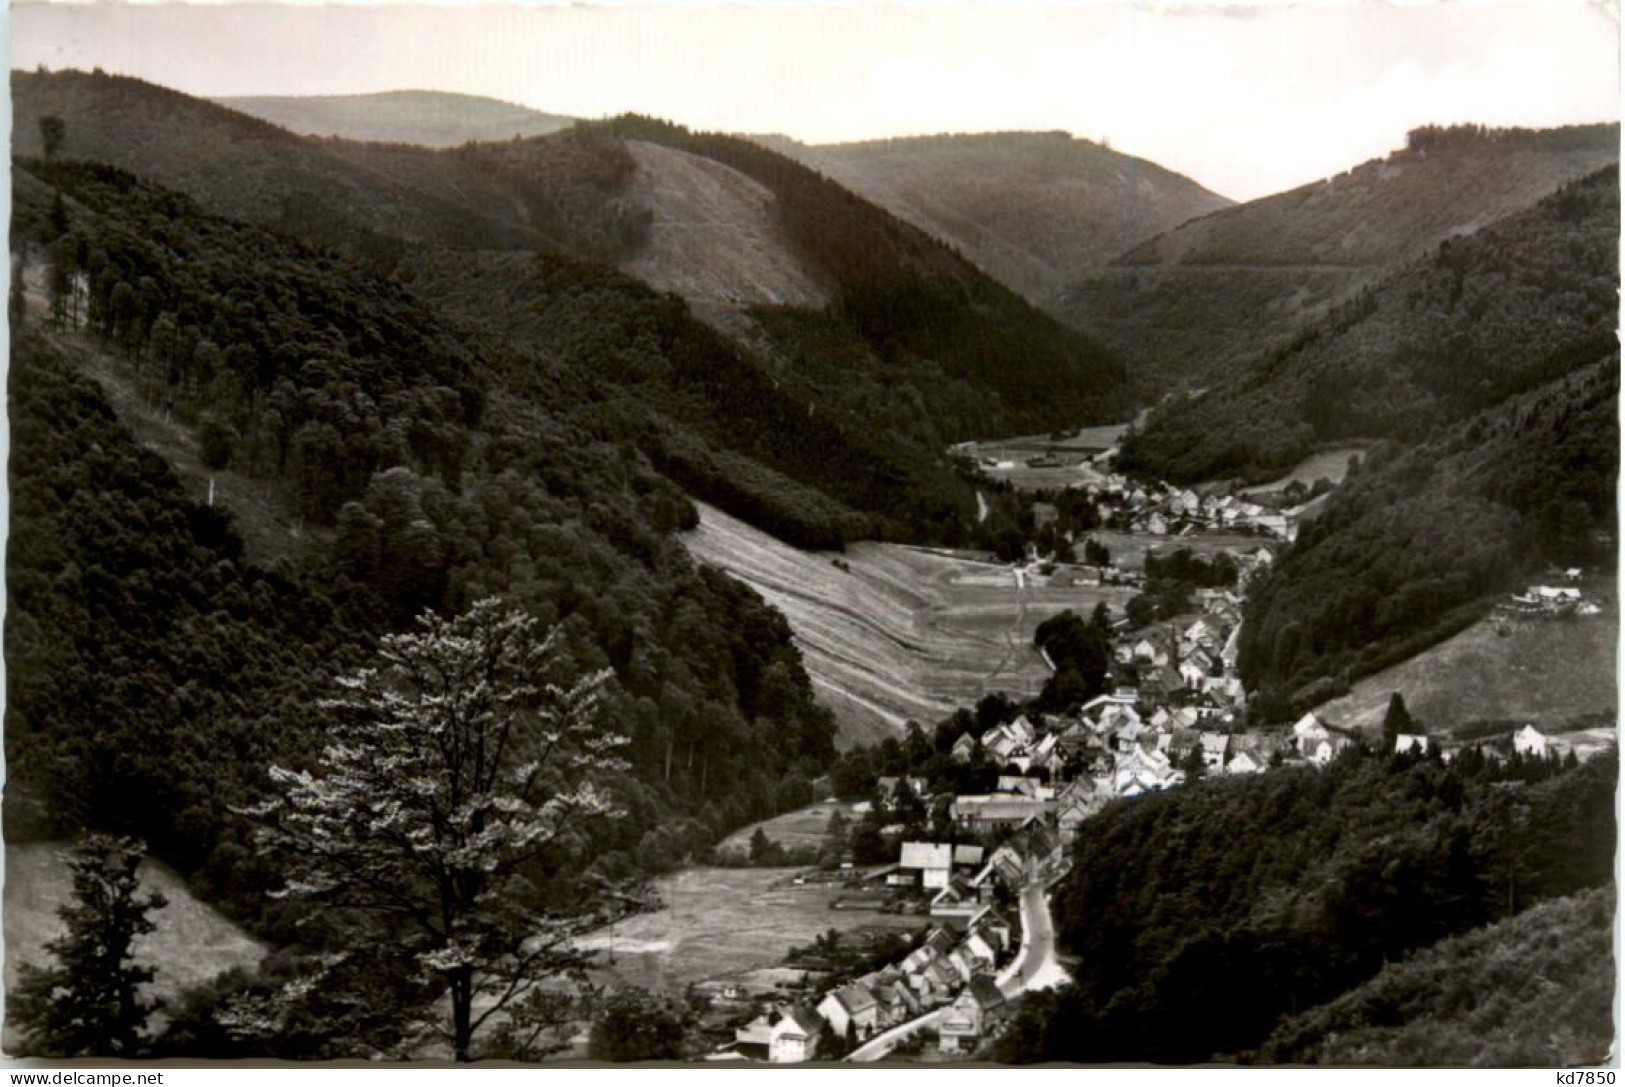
(560, 526)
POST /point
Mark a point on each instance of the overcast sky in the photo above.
(1247, 100)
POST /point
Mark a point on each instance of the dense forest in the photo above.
(1537, 989)
(157, 669)
(1481, 319)
(1205, 918)
(1416, 544)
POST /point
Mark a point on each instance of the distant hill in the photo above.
(1489, 998)
(1204, 297)
(427, 118)
(554, 193)
(1035, 210)
(1477, 320)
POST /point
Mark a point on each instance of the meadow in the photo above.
(896, 633)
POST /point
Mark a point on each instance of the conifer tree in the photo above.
(89, 1003)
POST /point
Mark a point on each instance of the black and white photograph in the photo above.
(950, 533)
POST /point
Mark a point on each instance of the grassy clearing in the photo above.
(719, 922)
(900, 634)
(1550, 673)
(1332, 464)
(794, 829)
(191, 945)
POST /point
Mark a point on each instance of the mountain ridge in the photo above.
(1033, 209)
(421, 117)
(1204, 298)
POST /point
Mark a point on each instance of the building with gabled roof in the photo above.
(852, 1007)
(973, 1014)
(795, 1035)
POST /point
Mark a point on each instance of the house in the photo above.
(1192, 672)
(973, 1014)
(1022, 730)
(968, 856)
(897, 1003)
(887, 787)
(1405, 742)
(1215, 747)
(795, 1035)
(981, 951)
(993, 927)
(849, 1010)
(754, 1040)
(1529, 741)
(959, 899)
(1308, 733)
(1243, 763)
(934, 862)
(982, 814)
(964, 748)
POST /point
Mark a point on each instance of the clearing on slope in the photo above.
(1557, 673)
(714, 236)
(191, 944)
(890, 633)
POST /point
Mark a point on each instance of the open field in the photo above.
(1023, 478)
(901, 634)
(1332, 464)
(1086, 441)
(724, 921)
(191, 945)
(797, 829)
(1549, 673)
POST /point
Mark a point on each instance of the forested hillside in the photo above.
(1206, 917)
(1535, 990)
(1416, 544)
(1191, 306)
(1035, 210)
(1480, 319)
(155, 672)
(849, 406)
(428, 118)
(1488, 373)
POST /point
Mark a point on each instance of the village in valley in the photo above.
(977, 822)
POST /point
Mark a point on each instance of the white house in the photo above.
(1529, 741)
(795, 1035)
(1405, 742)
(851, 1008)
(934, 862)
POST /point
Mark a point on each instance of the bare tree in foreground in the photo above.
(450, 793)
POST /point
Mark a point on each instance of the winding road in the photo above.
(1035, 967)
